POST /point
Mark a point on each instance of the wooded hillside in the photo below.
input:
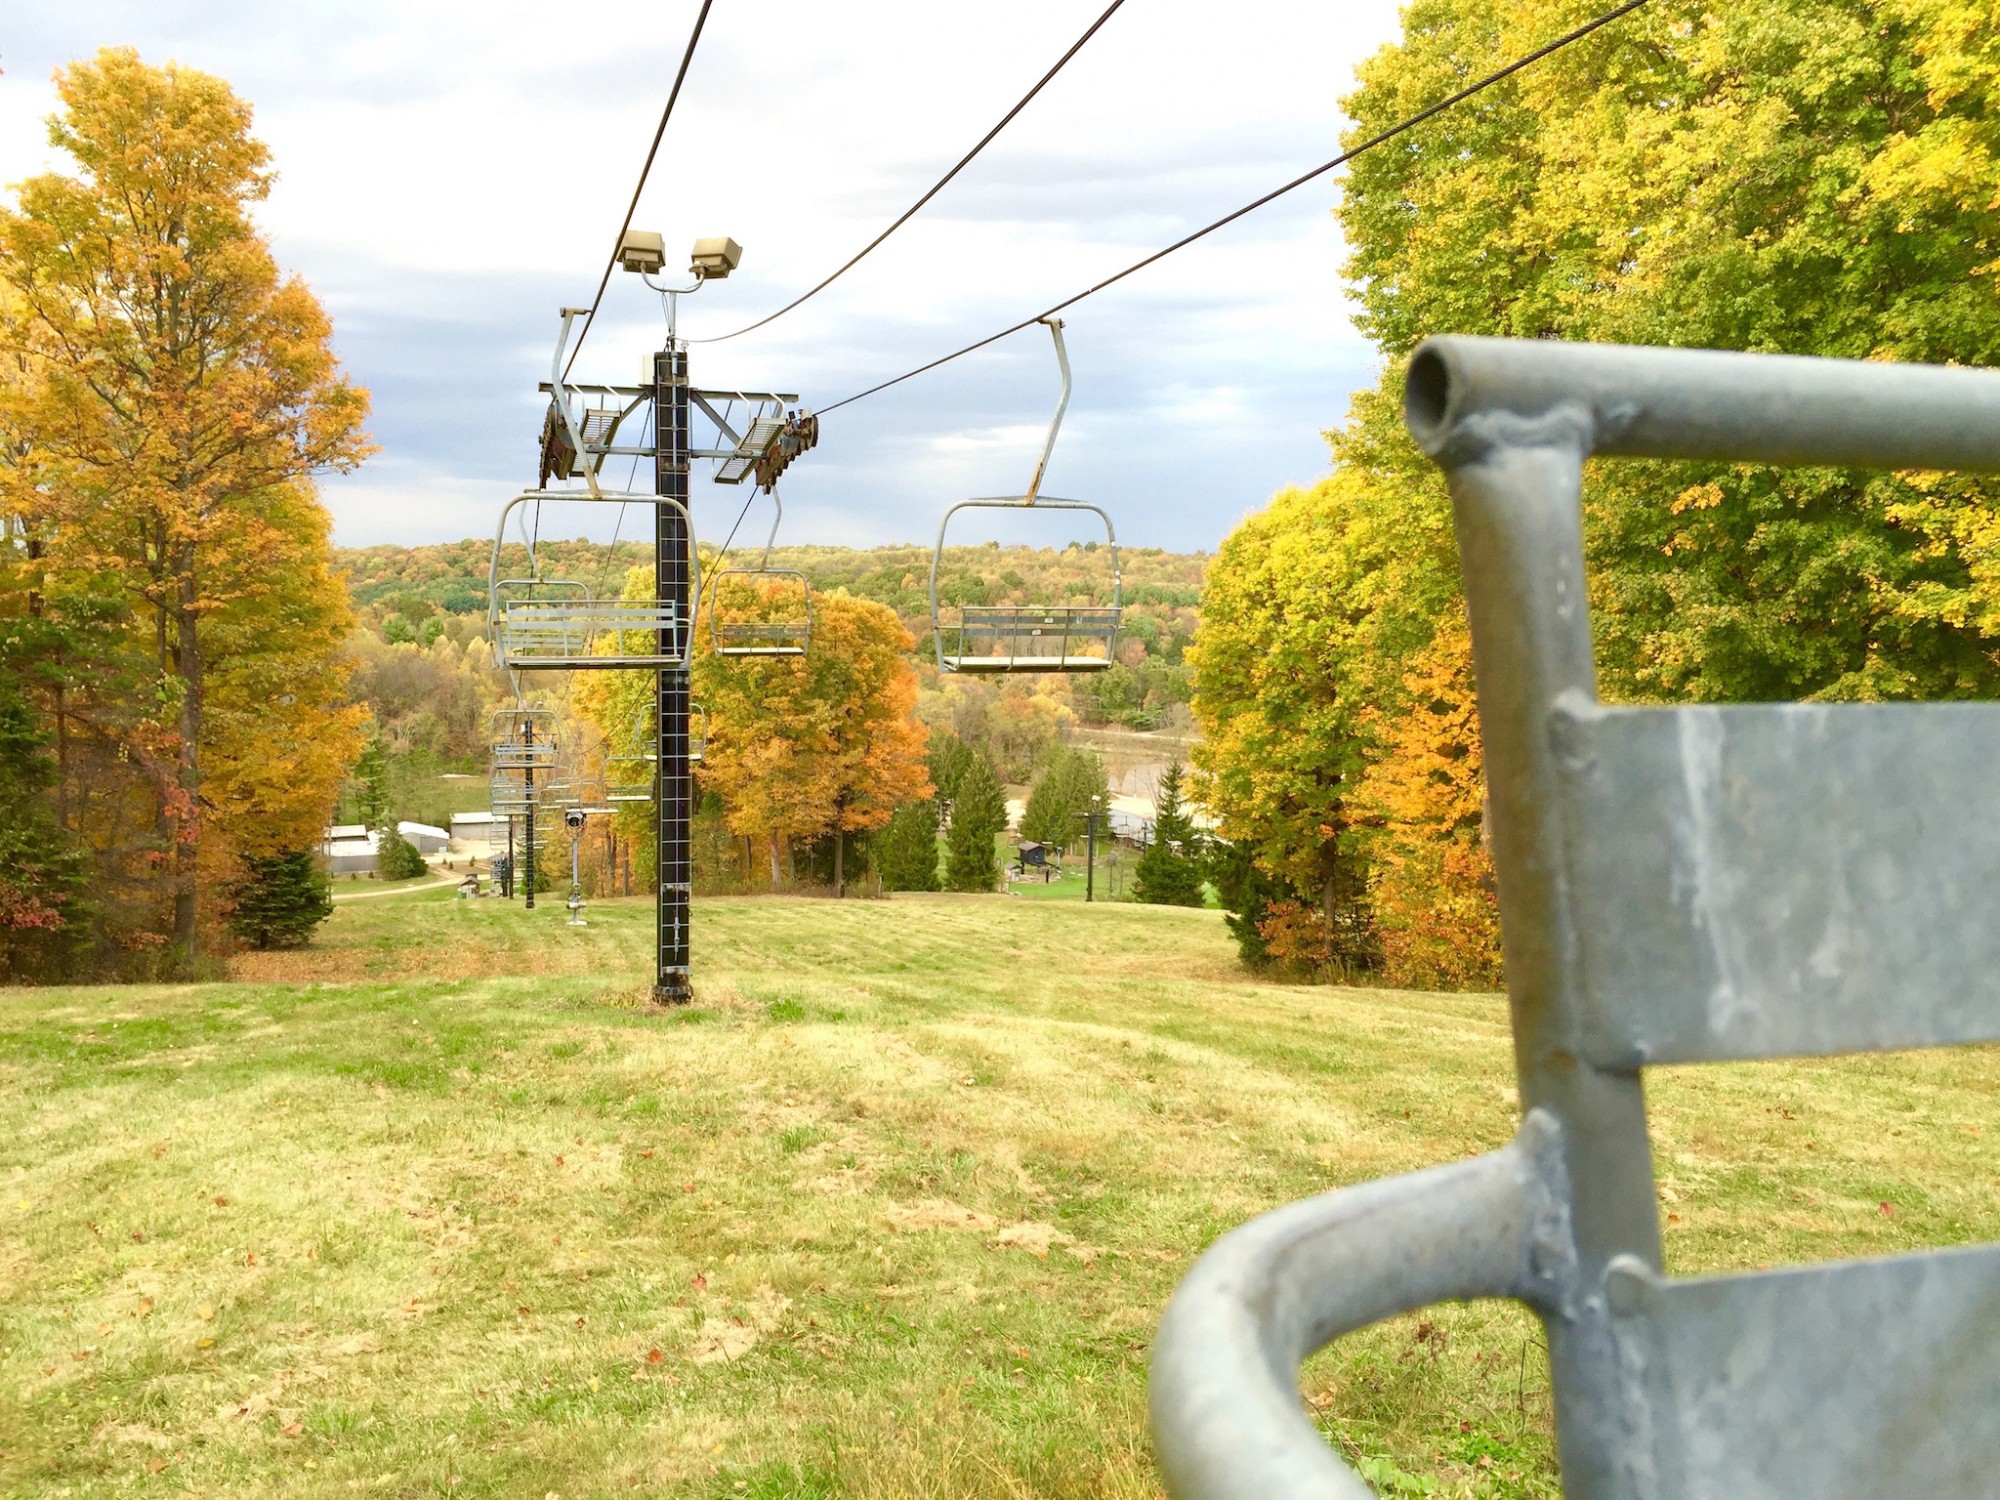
(424, 594)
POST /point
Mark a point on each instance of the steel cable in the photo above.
(936, 188)
(1230, 218)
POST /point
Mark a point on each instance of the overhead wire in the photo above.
(1380, 138)
(935, 188)
(631, 208)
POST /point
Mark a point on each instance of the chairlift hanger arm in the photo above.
(1055, 328)
(560, 394)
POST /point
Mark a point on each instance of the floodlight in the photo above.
(715, 258)
(641, 250)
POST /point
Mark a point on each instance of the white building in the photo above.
(476, 833)
(351, 850)
(427, 839)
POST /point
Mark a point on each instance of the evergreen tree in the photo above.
(907, 848)
(1073, 784)
(371, 782)
(1170, 871)
(978, 814)
(280, 899)
(949, 759)
(396, 858)
(1049, 817)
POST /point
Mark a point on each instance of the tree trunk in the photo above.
(777, 873)
(839, 864)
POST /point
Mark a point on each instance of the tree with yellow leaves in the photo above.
(826, 743)
(183, 393)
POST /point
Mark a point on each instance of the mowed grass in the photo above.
(442, 1207)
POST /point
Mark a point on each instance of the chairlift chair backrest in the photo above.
(785, 631)
(1677, 885)
(555, 624)
(1002, 638)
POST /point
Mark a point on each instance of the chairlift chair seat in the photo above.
(791, 636)
(992, 639)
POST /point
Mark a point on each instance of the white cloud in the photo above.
(451, 173)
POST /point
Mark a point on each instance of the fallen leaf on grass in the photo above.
(155, 1465)
(204, 1343)
(1886, 1209)
(220, 1201)
(293, 1429)
(654, 1356)
(205, 1313)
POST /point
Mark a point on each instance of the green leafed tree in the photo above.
(1170, 871)
(1073, 782)
(280, 899)
(978, 816)
(906, 851)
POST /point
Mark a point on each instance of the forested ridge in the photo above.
(426, 593)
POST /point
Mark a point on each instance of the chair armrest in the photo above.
(1228, 1423)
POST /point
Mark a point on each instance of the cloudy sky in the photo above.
(452, 174)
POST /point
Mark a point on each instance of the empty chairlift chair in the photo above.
(538, 623)
(526, 751)
(997, 638)
(1677, 885)
(761, 611)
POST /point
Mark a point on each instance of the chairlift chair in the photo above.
(554, 624)
(998, 638)
(790, 633)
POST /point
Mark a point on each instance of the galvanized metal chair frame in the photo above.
(749, 638)
(555, 629)
(524, 738)
(1034, 627)
(1693, 884)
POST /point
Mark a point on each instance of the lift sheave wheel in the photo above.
(1051, 637)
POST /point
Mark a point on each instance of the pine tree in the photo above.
(907, 849)
(396, 858)
(280, 899)
(949, 759)
(977, 816)
(1050, 816)
(43, 917)
(371, 783)
(1170, 871)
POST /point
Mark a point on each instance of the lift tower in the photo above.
(580, 633)
(673, 547)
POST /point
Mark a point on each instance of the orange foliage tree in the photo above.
(1431, 873)
(826, 743)
(184, 392)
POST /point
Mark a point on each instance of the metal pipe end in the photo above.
(1428, 390)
